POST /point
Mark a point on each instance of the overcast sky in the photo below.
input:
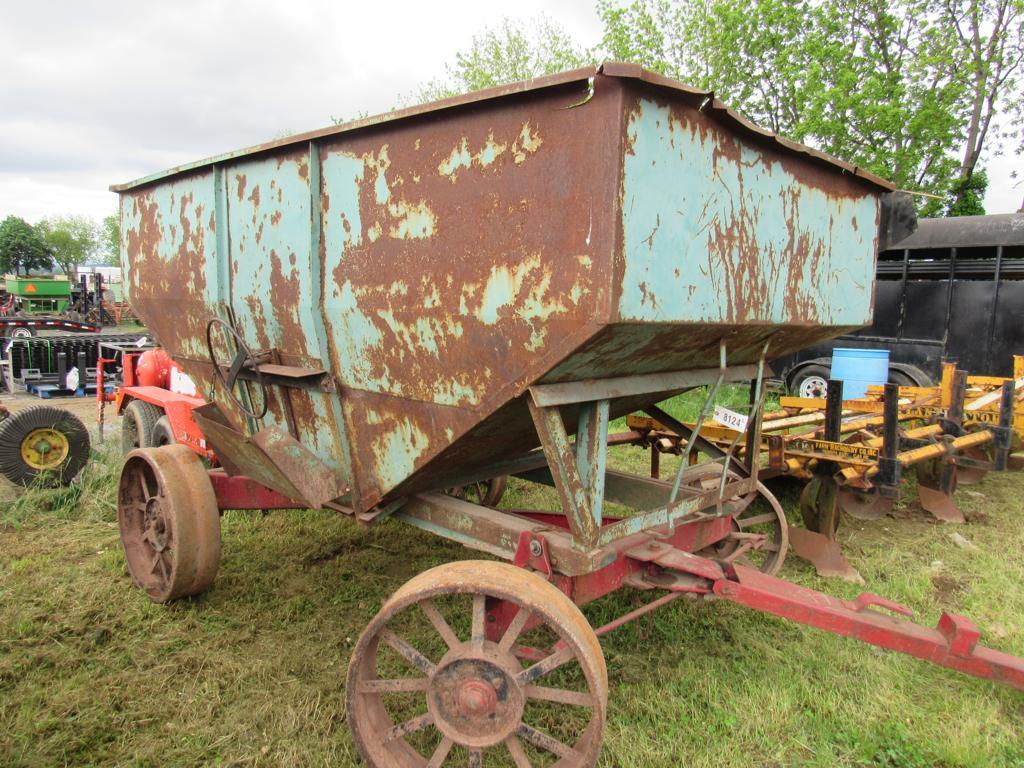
(98, 92)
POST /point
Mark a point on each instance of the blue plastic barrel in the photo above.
(858, 368)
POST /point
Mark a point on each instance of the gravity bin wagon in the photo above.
(382, 311)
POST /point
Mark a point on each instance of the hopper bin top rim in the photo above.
(705, 100)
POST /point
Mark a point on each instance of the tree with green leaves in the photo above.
(109, 239)
(507, 53)
(990, 41)
(909, 89)
(22, 248)
(72, 240)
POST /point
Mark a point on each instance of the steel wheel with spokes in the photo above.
(428, 685)
(758, 512)
(169, 520)
(487, 493)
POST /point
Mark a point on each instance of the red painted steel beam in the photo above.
(241, 492)
(953, 643)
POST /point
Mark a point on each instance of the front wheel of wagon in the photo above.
(431, 683)
(169, 520)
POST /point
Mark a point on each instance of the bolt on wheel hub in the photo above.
(477, 697)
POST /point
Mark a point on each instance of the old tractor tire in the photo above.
(137, 424)
(162, 433)
(43, 444)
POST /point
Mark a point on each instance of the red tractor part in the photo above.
(153, 369)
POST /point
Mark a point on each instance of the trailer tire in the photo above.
(23, 333)
(163, 434)
(910, 376)
(137, 424)
(43, 444)
(811, 381)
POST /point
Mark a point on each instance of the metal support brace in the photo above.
(1004, 432)
(701, 444)
(834, 411)
(562, 460)
(591, 452)
(953, 425)
(954, 422)
(754, 427)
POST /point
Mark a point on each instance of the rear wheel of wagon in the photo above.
(430, 683)
(486, 493)
(169, 520)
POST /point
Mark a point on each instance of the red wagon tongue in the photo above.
(952, 643)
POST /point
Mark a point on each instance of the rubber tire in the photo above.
(162, 433)
(23, 333)
(137, 424)
(819, 371)
(905, 379)
(16, 427)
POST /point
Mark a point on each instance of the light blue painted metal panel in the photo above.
(273, 294)
(718, 230)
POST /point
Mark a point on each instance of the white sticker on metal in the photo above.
(730, 419)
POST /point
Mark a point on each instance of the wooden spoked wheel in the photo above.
(758, 512)
(169, 521)
(486, 493)
(426, 687)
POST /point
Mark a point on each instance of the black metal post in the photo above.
(889, 470)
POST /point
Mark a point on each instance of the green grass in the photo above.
(252, 673)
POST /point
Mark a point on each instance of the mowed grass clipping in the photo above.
(252, 673)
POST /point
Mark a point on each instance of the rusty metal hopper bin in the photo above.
(409, 277)
(384, 311)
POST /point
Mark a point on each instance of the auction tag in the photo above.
(731, 419)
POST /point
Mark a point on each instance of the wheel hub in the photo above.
(156, 527)
(44, 448)
(477, 698)
(813, 386)
(474, 697)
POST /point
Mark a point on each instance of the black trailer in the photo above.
(953, 290)
(25, 327)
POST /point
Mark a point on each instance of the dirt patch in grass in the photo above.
(946, 589)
